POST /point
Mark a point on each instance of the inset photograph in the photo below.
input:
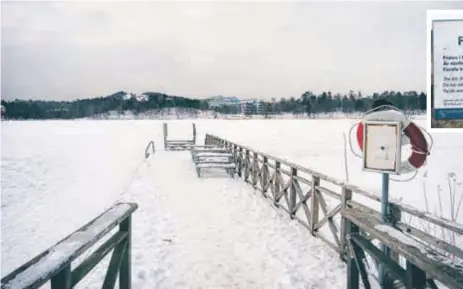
(446, 63)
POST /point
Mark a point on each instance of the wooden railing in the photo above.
(178, 144)
(54, 264)
(147, 149)
(316, 201)
(422, 266)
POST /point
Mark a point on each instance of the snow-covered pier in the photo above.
(278, 225)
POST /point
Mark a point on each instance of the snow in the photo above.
(400, 236)
(62, 252)
(217, 233)
(189, 232)
(410, 241)
(135, 96)
(212, 155)
(212, 165)
(219, 158)
(49, 172)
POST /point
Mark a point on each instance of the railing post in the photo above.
(240, 165)
(345, 198)
(395, 217)
(352, 269)
(415, 277)
(255, 166)
(276, 183)
(125, 273)
(292, 193)
(194, 133)
(246, 166)
(62, 280)
(164, 125)
(264, 175)
(314, 205)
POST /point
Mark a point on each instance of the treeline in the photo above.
(327, 103)
(32, 109)
(308, 103)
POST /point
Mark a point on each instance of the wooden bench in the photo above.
(179, 145)
(213, 157)
(207, 149)
(195, 150)
(218, 157)
(423, 264)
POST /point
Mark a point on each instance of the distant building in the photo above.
(260, 106)
(248, 106)
(222, 100)
(252, 106)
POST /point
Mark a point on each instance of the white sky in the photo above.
(67, 50)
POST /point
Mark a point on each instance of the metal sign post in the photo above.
(382, 278)
(380, 136)
(382, 150)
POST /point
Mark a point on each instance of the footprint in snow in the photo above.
(141, 275)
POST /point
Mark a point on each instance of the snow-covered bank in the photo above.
(190, 114)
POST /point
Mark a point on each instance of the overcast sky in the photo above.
(68, 50)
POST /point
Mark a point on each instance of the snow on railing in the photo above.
(54, 264)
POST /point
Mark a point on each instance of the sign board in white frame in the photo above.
(447, 68)
(382, 143)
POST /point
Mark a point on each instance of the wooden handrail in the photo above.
(440, 221)
(54, 264)
(147, 153)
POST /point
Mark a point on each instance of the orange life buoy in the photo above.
(419, 144)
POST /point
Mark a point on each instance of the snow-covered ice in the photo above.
(188, 232)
